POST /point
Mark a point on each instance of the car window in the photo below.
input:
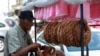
(10, 22)
(93, 45)
(2, 25)
(95, 41)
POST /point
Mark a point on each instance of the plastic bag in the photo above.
(75, 1)
(94, 11)
(94, 1)
(28, 6)
(43, 3)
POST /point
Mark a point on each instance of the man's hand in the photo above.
(34, 46)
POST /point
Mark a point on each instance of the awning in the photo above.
(63, 10)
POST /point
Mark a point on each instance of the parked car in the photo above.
(94, 45)
(5, 24)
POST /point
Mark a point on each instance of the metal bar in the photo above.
(35, 25)
(62, 49)
(87, 50)
(81, 32)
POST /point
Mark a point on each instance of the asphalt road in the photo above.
(1, 53)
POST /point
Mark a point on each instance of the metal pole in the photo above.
(35, 24)
(87, 50)
(81, 33)
(35, 33)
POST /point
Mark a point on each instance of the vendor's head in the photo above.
(26, 20)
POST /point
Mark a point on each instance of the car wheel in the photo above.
(1, 44)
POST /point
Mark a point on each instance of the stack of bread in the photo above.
(67, 33)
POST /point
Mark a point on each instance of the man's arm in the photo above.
(14, 45)
(25, 50)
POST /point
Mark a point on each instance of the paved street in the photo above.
(1, 53)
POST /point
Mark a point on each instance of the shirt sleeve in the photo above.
(13, 42)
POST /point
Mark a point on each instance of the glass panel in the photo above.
(2, 25)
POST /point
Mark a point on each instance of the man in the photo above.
(16, 13)
(18, 41)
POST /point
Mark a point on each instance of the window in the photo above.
(2, 25)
